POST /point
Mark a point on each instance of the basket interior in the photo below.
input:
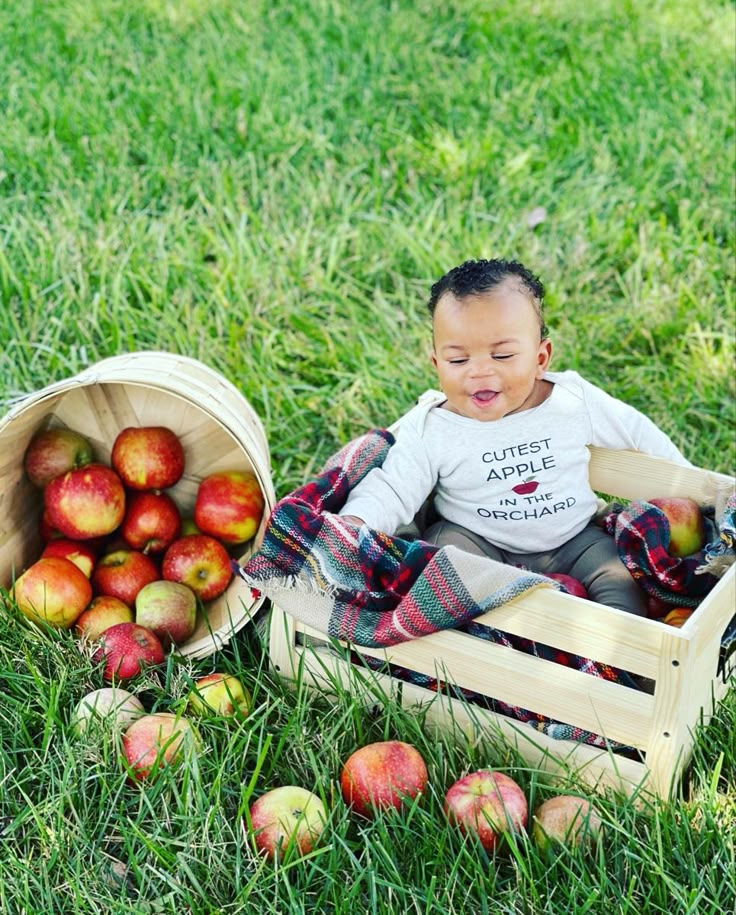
(99, 411)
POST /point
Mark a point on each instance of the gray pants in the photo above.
(590, 556)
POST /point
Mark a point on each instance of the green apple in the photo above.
(687, 527)
(219, 694)
(111, 704)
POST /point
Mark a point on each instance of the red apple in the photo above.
(126, 649)
(152, 522)
(570, 584)
(287, 816)
(148, 457)
(200, 562)
(382, 775)
(109, 705)
(88, 502)
(229, 506)
(103, 612)
(52, 590)
(219, 694)
(123, 573)
(487, 804)
(657, 608)
(77, 551)
(167, 608)
(677, 617)
(54, 452)
(566, 819)
(154, 741)
(687, 527)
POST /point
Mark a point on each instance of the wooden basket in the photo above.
(215, 423)
(683, 663)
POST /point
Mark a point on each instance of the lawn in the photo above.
(272, 188)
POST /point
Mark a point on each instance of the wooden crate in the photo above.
(683, 663)
(218, 429)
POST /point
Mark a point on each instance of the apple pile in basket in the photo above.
(120, 563)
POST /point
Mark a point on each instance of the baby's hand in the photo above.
(352, 519)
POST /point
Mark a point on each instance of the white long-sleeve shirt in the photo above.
(520, 481)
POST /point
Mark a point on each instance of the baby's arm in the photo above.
(392, 494)
(616, 424)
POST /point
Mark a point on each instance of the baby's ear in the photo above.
(544, 355)
(433, 358)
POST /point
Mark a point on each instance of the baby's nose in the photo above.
(484, 366)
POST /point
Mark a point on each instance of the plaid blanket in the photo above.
(375, 590)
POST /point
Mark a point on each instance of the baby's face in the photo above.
(487, 353)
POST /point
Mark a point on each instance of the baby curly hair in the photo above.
(478, 277)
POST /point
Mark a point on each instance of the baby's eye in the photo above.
(457, 361)
(503, 355)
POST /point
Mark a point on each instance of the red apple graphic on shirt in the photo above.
(526, 487)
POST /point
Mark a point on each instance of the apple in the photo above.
(567, 819)
(103, 612)
(122, 573)
(87, 502)
(167, 608)
(111, 704)
(687, 527)
(199, 561)
(657, 608)
(382, 775)
(77, 551)
(52, 590)
(148, 457)
(677, 617)
(488, 804)
(229, 506)
(53, 452)
(570, 584)
(219, 694)
(161, 739)
(151, 523)
(285, 816)
(126, 648)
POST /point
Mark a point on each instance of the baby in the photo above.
(504, 449)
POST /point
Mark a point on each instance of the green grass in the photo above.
(272, 187)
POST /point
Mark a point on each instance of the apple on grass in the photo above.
(112, 704)
(77, 551)
(122, 573)
(219, 694)
(229, 506)
(161, 739)
(686, 524)
(125, 649)
(87, 502)
(103, 612)
(148, 457)
(565, 819)
(200, 562)
(382, 775)
(487, 804)
(53, 452)
(168, 609)
(286, 817)
(152, 522)
(569, 583)
(52, 590)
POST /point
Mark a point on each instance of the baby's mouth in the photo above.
(484, 397)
